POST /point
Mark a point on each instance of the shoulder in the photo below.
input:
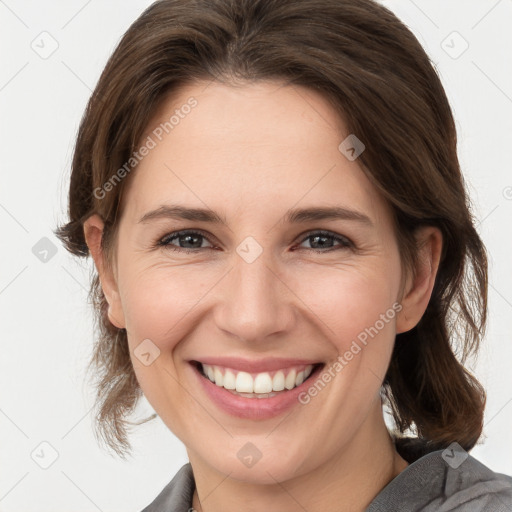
(447, 480)
(177, 494)
(472, 484)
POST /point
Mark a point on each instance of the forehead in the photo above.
(264, 146)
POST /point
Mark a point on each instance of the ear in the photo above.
(418, 291)
(93, 232)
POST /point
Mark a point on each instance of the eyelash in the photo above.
(165, 241)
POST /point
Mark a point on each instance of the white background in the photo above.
(47, 326)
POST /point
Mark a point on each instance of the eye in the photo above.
(191, 241)
(319, 238)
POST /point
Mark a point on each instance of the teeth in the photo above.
(229, 380)
(289, 382)
(278, 381)
(262, 383)
(244, 383)
(219, 379)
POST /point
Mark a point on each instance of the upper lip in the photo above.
(253, 365)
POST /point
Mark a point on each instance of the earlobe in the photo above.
(93, 232)
(417, 294)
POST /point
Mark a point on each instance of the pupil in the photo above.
(191, 237)
(319, 237)
(188, 237)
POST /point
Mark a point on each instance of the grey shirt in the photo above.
(431, 483)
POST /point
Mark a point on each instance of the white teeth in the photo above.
(261, 384)
(289, 382)
(218, 376)
(229, 380)
(278, 381)
(244, 383)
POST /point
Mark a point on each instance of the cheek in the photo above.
(156, 303)
(351, 301)
(159, 305)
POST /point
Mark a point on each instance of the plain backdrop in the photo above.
(47, 324)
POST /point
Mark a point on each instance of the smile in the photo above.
(253, 395)
(257, 384)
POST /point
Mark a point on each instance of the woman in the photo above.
(271, 194)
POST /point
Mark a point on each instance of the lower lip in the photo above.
(253, 408)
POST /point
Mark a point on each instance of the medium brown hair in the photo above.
(378, 78)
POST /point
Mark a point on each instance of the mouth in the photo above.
(255, 395)
(257, 385)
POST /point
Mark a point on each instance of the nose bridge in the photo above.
(255, 302)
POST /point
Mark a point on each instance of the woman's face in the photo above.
(260, 286)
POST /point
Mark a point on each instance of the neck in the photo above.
(353, 476)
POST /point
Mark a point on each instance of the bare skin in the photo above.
(250, 153)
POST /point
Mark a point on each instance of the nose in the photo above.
(255, 301)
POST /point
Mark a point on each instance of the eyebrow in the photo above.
(292, 216)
